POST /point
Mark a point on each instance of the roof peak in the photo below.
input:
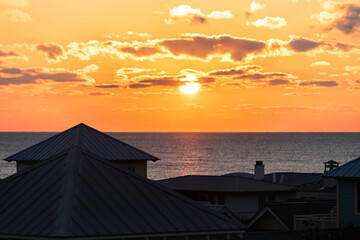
(89, 139)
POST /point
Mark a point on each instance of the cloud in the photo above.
(141, 51)
(320, 63)
(320, 83)
(344, 17)
(17, 76)
(11, 70)
(345, 47)
(100, 94)
(200, 46)
(8, 54)
(193, 15)
(349, 22)
(257, 76)
(206, 79)
(275, 82)
(254, 7)
(107, 86)
(16, 15)
(17, 3)
(304, 45)
(354, 69)
(235, 71)
(220, 15)
(269, 22)
(53, 51)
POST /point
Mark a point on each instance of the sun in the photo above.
(191, 85)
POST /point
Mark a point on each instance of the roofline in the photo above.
(222, 191)
(144, 235)
(116, 166)
(261, 213)
(8, 159)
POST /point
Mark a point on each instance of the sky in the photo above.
(116, 65)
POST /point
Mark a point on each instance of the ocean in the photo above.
(217, 153)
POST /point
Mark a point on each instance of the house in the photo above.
(89, 139)
(348, 192)
(294, 216)
(243, 196)
(78, 195)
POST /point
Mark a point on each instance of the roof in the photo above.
(78, 194)
(285, 212)
(293, 178)
(221, 184)
(87, 138)
(348, 170)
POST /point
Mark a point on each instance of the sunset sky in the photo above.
(284, 65)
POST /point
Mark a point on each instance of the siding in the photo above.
(347, 204)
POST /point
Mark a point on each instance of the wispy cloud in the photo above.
(16, 15)
(194, 15)
(17, 76)
(269, 22)
(53, 51)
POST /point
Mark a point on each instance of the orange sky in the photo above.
(285, 65)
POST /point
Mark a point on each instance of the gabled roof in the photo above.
(348, 170)
(285, 212)
(77, 194)
(87, 138)
(221, 184)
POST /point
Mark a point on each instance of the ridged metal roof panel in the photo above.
(92, 140)
(348, 170)
(221, 184)
(77, 194)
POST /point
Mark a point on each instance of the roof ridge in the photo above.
(86, 126)
(70, 186)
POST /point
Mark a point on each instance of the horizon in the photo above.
(255, 66)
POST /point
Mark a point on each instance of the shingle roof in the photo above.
(348, 170)
(77, 194)
(87, 138)
(221, 184)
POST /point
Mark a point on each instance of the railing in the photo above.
(320, 221)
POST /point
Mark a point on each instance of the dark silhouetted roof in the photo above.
(293, 178)
(87, 138)
(221, 184)
(348, 170)
(285, 212)
(77, 194)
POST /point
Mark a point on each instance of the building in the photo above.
(92, 141)
(77, 195)
(294, 216)
(348, 192)
(243, 196)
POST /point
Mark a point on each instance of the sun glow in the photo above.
(191, 85)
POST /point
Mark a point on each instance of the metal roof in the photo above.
(348, 170)
(77, 194)
(89, 139)
(221, 184)
(292, 178)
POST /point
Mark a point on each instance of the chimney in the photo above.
(259, 170)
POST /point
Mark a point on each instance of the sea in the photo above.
(216, 153)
